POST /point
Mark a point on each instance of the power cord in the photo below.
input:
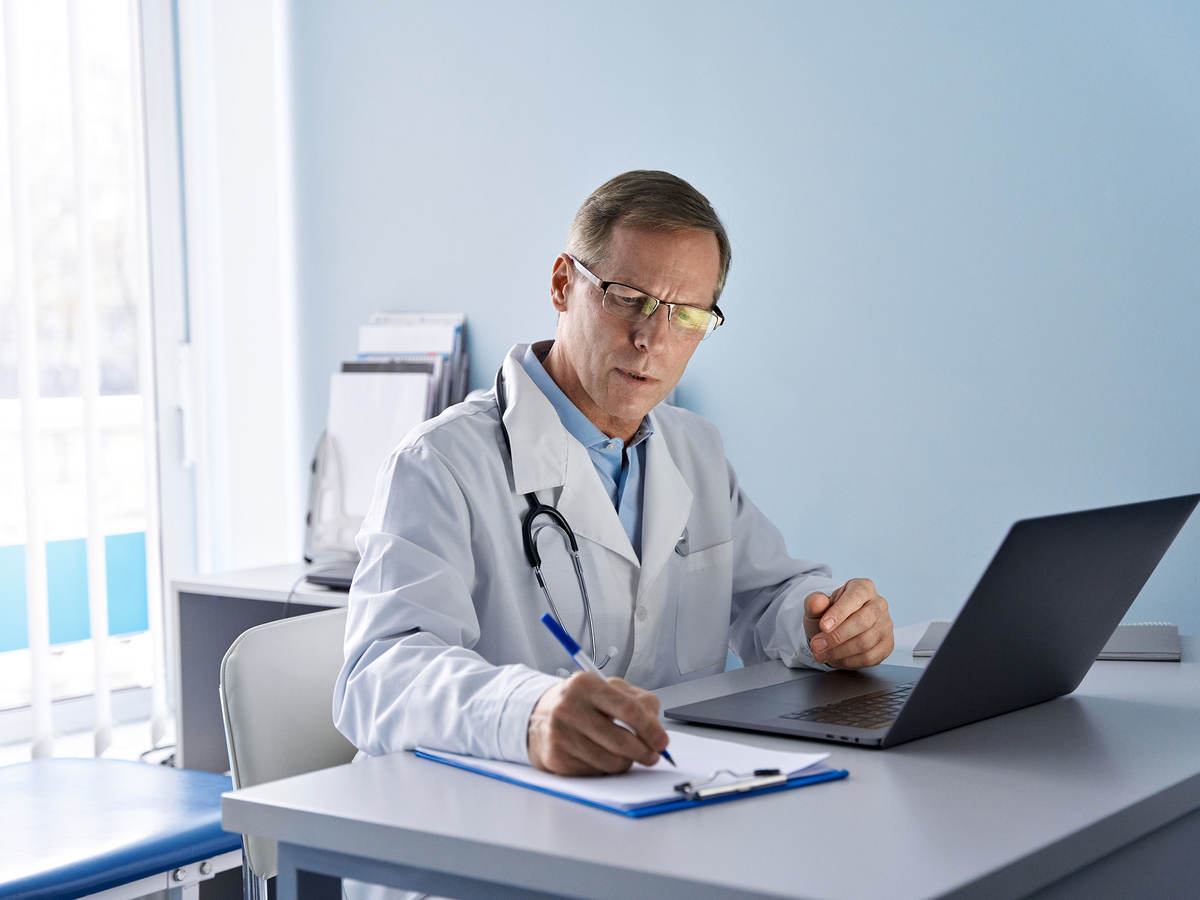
(287, 603)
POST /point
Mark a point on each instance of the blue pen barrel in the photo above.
(559, 632)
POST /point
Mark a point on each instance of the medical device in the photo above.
(529, 537)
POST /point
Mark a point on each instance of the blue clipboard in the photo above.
(653, 809)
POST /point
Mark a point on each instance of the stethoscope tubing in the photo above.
(529, 537)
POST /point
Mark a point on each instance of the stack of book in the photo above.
(432, 342)
(409, 368)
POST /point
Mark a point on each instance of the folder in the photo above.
(710, 771)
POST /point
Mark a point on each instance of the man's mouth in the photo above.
(634, 376)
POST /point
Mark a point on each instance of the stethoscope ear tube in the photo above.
(541, 509)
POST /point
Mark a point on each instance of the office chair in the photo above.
(277, 702)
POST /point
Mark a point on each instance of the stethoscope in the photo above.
(529, 537)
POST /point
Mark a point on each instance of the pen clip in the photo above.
(705, 790)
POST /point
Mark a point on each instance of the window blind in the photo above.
(75, 155)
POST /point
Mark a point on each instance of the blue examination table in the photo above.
(74, 827)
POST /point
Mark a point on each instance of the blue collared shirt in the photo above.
(620, 472)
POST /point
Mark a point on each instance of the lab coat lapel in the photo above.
(539, 441)
(546, 456)
(588, 507)
(666, 506)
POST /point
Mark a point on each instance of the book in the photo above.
(397, 333)
(710, 771)
(1142, 641)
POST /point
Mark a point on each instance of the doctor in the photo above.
(444, 646)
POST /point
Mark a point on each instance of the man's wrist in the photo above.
(513, 732)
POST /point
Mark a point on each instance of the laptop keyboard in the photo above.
(874, 710)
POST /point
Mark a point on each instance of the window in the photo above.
(79, 612)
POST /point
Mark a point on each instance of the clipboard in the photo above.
(717, 771)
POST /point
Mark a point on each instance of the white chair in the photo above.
(277, 702)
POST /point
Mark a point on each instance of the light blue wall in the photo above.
(966, 280)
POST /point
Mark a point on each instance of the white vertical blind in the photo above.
(139, 175)
(36, 605)
(89, 382)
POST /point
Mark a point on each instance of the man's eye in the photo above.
(692, 318)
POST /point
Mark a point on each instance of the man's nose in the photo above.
(652, 332)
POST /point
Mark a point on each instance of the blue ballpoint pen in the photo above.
(582, 660)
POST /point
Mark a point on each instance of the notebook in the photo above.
(710, 771)
(1142, 641)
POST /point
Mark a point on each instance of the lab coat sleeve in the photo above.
(769, 588)
(410, 676)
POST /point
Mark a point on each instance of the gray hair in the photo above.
(643, 199)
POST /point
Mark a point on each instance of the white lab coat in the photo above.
(444, 646)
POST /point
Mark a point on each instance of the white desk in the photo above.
(209, 612)
(1001, 808)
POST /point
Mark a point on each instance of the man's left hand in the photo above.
(851, 627)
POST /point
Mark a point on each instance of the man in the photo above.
(444, 646)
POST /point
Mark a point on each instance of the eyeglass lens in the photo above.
(690, 322)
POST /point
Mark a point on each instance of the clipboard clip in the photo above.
(748, 781)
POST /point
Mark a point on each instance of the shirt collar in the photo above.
(577, 424)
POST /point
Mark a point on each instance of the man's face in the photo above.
(617, 371)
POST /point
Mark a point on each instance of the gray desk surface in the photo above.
(271, 583)
(998, 808)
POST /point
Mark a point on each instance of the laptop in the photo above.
(1051, 596)
(336, 575)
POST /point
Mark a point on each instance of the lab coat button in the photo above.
(562, 673)
(642, 613)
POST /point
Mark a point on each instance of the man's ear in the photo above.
(559, 281)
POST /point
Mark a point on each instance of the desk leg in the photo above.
(297, 877)
(308, 873)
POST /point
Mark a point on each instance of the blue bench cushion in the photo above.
(76, 826)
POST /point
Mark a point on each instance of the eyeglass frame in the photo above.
(605, 285)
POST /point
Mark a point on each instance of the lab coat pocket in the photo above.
(703, 590)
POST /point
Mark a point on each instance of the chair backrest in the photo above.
(277, 702)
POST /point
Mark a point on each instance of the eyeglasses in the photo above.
(693, 323)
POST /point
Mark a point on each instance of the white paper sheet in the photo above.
(697, 757)
(369, 413)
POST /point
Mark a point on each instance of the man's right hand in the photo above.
(572, 730)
